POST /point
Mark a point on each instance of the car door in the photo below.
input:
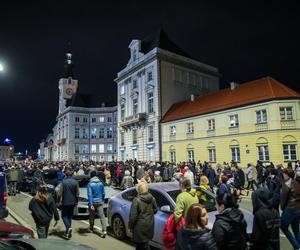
(160, 217)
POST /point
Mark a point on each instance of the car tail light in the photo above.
(4, 198)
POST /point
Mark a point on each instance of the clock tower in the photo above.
(67, 85)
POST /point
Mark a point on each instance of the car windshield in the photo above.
(83, 182)
(204, 198)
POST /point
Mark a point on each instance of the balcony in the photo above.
(288, 124)
(133, 120)
(261, 126)
(61, 141)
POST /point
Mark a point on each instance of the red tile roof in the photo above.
(261, 90)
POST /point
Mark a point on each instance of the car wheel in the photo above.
(118, 227)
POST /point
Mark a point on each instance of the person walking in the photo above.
(43, 207)
(141, 217)
(274, 186)
(96, 196)
(250, 174)
(13, 181)
(185, 199)
(290, 206)
(68, 198)
(265, 232)
(194, 235)
(127, 181)
(229, 229)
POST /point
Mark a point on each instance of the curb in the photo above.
(20, 221)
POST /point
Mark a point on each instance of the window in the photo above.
(211, 124)
(85, 148)
(122, 111)
(150, 154)
(149, 76)
(150, 102)
(235, 154)
(134, 154)
(173, 156)
(109, 148)
(85, 119)
(234, 120)
(77, 119)
(286, 113)
(263, 153)
(190, 128)
(93, 119)
(76, 148)
(122, 139)
(134, 106)
(212, 155)
(134, 84)
(84, 133)
(93, 133)
(160, 199)
(76, 133)
(122, 155)
(289, 152)
(101, 148)
(134, 136)
(93, 148)
(261, 116)
(109, 132)
(191, 155)
(172, 130)
(101, 119)
(101, 133)
(109, 119)
(122, 89)
(150, 134)
(130, 195)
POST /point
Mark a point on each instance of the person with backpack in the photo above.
(229, 229)
(265, 232)
(141, 217)
(194, 235)
(43, 207)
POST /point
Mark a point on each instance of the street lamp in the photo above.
(1, 67)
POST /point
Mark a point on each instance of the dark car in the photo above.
(49, 176)
(10, 230)
(3, 195)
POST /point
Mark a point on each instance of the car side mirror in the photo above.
(166, 209)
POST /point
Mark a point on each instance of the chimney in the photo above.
(192, 97)
(233, 85)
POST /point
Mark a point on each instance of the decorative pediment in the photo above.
(149, 88)
(134, 94)
(122, 100)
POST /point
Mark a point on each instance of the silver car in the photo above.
(165, 195)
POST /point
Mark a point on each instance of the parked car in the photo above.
(3, 195)
(165, 195)
(82, 208)
(10, 230)
(49, 177)
(42, 244)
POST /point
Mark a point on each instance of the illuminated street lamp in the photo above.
(1, 67)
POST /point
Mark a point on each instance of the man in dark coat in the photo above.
(274, 186)
(265, 232)
(141, 218)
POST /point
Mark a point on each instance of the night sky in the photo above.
(245, 41)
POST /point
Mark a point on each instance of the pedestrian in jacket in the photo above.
(185, 199)
(141, 217)
(68, 197)
(229, 229)
(274, 186)
(127, 181)
(290, 206)
(265, 232)
(43, 207)
(193, 235)
(96, 196)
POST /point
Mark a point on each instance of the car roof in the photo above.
(13, 228)
(165, 186)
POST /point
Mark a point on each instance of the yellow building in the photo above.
(258, 120)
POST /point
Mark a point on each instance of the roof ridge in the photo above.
(270, 85)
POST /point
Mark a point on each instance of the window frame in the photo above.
(289, 152)
(211, 124)
(285, 118)
(260, 116)
(263, 155)
(233, 123)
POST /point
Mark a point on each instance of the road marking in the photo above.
(28, 195)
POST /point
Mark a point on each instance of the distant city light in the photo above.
(7, 140)
(1, 67)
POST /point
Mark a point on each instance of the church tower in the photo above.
(67, 85)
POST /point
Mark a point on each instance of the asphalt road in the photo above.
(19, 205)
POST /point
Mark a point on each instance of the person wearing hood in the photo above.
(185, 199)
(96, 196)
(141, 217)
(265, 232)
(193, 235)
(229, 229)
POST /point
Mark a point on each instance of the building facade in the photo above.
(85, 129)
(157, 75)
(259, 120)
(6, 151)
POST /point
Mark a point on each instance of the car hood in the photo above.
(46, 244)
(248, 216)
(109, 192)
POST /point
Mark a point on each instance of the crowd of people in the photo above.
(275, 199)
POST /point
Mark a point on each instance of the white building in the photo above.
(158, 74)
(85, 129)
